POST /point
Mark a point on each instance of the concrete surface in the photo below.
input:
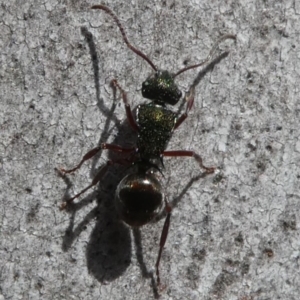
(234, 234)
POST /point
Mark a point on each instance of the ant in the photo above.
(139, 196)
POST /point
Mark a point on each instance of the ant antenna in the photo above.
(209, 56)
(136, 51)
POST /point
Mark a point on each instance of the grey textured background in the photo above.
(234, 234)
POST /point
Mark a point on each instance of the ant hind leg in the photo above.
(163, 238)
(102, 171)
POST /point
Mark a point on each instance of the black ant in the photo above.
(139, 196)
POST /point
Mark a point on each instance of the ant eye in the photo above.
(145, 84)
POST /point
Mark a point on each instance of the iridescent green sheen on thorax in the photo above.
(156, 126)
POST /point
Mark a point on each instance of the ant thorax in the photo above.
(156, 125)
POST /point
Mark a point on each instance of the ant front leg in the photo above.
(186, 153)
(102, 171)
(163, 238)
(191, 95)
(189, 104)
(130, 117)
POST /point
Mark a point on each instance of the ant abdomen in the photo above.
(139, 198)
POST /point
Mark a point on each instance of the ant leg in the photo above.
(129, 114)
(96, 179)
(189, 104)
(93, 152)
(186, 153)
(190, 96)
(163, 238)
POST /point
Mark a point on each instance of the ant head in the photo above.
(160, 87)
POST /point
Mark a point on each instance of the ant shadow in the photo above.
(108, 251)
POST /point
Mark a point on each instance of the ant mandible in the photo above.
(139, 196)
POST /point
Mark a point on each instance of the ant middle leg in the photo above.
(187, 153)
(97, 178)
(94, 151)
(102, 171)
